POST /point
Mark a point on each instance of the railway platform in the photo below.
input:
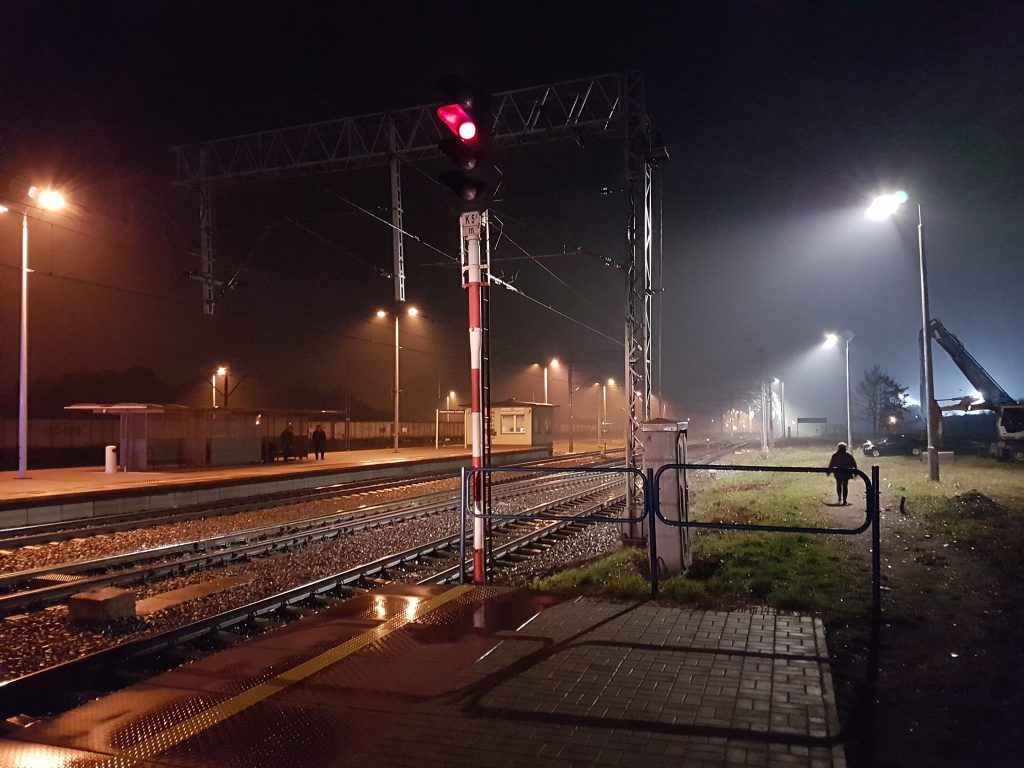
(473, 676)
(52, 495)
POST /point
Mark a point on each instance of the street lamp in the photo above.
(882, 207)
(552, 364)
(572, 422)
(48, 200)
(782, 402)
(603, 414)
(222, 371)
(448, 400)
(412, 312)
(831, 339)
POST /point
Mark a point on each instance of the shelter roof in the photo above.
(120, 408)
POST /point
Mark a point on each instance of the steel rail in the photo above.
(35, 693)
(45, 533)
(228, 548)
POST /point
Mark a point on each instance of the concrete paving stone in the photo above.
(628, 739)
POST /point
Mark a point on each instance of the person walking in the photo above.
(841, 465)
(319, 442)
(286, 442)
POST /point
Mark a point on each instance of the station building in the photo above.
(517, 422)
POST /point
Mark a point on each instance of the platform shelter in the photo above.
(154, 436)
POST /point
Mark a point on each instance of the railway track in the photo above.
(64, 530)
(42, 586)
(64, 685)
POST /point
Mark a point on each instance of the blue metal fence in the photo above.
(871, 517)
(652, 508)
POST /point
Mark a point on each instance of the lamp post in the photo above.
(222, 371)
(412, 312)
(882, 207)
(831, 339)
(572, 417)
(47, 200)
(554, 363)
(603, 415)
(782, 402)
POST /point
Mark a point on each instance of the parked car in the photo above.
(896, 445)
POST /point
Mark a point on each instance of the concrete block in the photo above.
(76, 510)
(99, 606)
(13, 518)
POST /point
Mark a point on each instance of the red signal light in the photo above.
(456, 118)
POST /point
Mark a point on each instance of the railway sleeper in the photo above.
(182, 654)
(226, 638)
(350, 590)
(296, 611)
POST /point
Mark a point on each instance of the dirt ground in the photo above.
(949, 682)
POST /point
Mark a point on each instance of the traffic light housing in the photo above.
(465, 131)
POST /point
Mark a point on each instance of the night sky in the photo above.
(782, 120)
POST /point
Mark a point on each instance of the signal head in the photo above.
(458, 120)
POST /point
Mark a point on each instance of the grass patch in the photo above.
(622, 574)
(979, 505)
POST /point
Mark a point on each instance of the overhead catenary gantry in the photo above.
(609, 105)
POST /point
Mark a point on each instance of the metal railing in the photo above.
(652, 507)
(871, 517)
(471, 477)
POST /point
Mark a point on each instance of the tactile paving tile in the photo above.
(489, 677)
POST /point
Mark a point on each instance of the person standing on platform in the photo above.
(319, 442)
(286, 442)
(841, 465)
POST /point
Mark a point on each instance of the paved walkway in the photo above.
(482, 677)
(591, 683)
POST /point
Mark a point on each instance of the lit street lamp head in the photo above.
(884, 206)
(50, 199)
(831, 339)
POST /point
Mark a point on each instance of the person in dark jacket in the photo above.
(319, 442)
(841, 465)
(286, 442)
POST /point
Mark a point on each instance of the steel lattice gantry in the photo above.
(611, 104)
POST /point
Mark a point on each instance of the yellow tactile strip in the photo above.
(180, 732)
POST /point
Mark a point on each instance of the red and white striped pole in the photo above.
(470, 224)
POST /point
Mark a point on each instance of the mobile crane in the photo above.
(1008, 442)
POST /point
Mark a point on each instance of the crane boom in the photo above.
(994, 396)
